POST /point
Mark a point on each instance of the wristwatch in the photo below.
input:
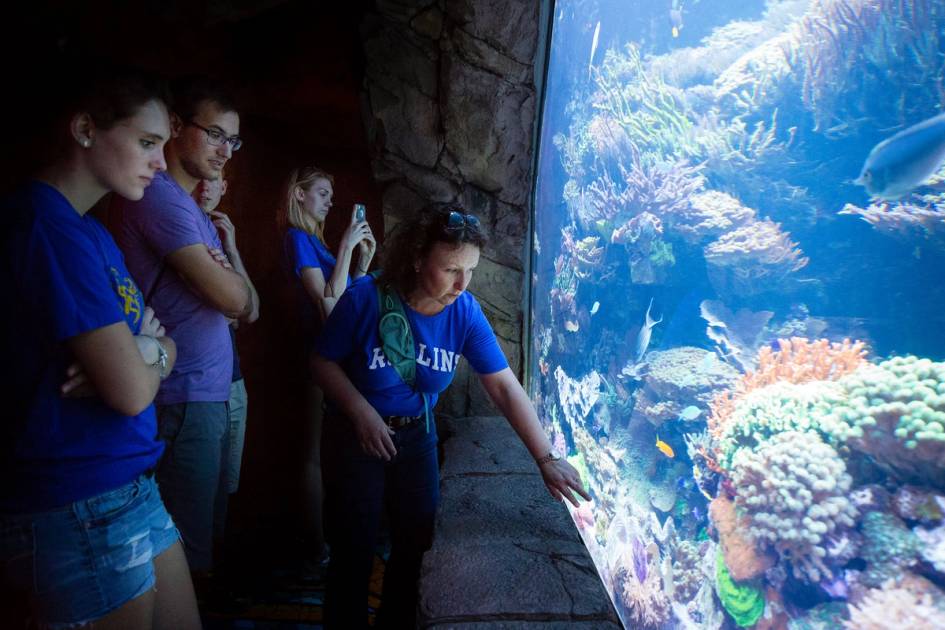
(161, 362)
(552, 456)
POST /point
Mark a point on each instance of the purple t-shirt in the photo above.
(165, 220)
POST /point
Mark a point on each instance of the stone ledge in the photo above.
(505, 554)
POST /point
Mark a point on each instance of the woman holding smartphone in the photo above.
(322, 279)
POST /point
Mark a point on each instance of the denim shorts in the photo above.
(79, 562)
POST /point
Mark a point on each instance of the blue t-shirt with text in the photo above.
(68, 278)
(350, 338)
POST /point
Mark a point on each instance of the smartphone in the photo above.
(359, 212)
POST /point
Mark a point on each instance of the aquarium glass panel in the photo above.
(738, 306)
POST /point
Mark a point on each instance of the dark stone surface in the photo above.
(449, 102)
(505, 554)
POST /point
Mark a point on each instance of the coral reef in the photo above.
(677, 378)
(889, 547)
(752, 259)
(796, 361)
(893, 606)
(577, 397)
(913, 503)
(709, 214)
(895, 412)
(745, 602)
(742, 556)
(906, 220)
(933, 546)
(793, 490)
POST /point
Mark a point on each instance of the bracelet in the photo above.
(552, 456)
(161, 362)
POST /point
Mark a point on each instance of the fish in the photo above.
(902, 162)
(590, 62)
(675, 16)
(643, 338)
(571, 326)
(595, 307)
(664, 448)
(690, 413)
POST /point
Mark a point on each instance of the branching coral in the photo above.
(895, 607)
(584, 252)
(793, 490)
(895, 412)
(709, 214)
(577, 397)
(752, 258)
(906, 220)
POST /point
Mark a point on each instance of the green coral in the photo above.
(888, 547)
(895, 412)
(661, 254)
(744, 601)
(778, 408)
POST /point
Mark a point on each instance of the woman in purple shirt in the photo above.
(84, 536)
(322, 278)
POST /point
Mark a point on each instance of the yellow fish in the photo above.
(571, 326)
(664, 448)
(675, 32)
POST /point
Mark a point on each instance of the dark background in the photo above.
(296, 70)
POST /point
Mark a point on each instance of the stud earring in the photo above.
(86, 143)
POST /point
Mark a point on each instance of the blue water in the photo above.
(786, 144)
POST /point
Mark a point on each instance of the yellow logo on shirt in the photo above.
(127, 290)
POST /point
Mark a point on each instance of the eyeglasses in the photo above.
(217, 138)
(456, 221)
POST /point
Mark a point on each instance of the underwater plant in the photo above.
(744, 601)
(907, 220)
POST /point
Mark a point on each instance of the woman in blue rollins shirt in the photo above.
(378, 449)
(84, 535)
(322, 280)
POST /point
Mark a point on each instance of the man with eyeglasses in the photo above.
(174, 252)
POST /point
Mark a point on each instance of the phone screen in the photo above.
(359, 211)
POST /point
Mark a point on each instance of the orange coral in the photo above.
(797, 360)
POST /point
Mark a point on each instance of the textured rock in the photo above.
(488, 124)
(505, 555)
(449, 108)
(510, 26)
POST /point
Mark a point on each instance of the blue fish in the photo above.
(901, 163)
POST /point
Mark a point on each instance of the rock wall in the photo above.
(449, 105)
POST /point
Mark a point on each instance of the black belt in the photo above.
(399, 422)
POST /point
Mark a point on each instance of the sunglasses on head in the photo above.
(456, 221)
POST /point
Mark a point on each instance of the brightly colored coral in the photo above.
(745, 602)
(742, 556)
(797, 360)
(793, 490)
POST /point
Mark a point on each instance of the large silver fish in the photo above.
(643, 339)
(904, 161)
(596, 38)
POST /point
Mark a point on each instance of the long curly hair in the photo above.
(414, 238)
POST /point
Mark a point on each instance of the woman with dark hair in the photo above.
(379, 448)
(84, 536)
(322, 279)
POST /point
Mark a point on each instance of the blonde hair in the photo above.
(303, 177)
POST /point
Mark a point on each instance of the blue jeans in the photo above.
(358, 488)
(79, 562)
(190, 474)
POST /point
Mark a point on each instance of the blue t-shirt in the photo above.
(350, 338)
(307, 250)
(68, 278)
